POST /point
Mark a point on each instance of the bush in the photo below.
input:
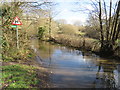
(41, 31)
(91, 32)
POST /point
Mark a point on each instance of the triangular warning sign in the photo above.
(16, 21)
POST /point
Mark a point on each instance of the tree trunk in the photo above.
(106, 22)
(106, 49)
(107, 44)
(118, 31)
(100, 20)
(50, 20)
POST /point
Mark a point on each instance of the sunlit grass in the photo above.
(75, 41)
(19, 76)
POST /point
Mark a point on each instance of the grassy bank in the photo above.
(82, 43)
(85, 43)
(19, 76)
(23, 75)
(21, 70)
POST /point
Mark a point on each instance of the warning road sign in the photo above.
(16, 21)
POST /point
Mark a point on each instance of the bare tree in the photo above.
(52, 13)
(109, 20)
(107, 44)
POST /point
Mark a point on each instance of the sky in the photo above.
(70, 11)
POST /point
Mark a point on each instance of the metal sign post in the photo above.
(17, 37)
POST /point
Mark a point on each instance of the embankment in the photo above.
(82, 43)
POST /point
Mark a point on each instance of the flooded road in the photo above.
(76, 69)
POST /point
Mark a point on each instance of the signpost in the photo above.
(16, 22)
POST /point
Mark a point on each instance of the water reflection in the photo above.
(75, 69)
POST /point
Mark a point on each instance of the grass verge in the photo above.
(19, 76)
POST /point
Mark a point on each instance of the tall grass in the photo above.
(76, 42)
(81, 42)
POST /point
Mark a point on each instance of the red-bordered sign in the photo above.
(16, 21)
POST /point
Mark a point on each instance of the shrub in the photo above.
(41, 31)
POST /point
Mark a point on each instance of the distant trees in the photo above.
(68, 29)
(92, 27)
(78, 23)
(61, 21)
(51, 13)
(91, 32)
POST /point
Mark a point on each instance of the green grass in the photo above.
(19, 76)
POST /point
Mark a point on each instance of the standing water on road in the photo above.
(76, 69)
